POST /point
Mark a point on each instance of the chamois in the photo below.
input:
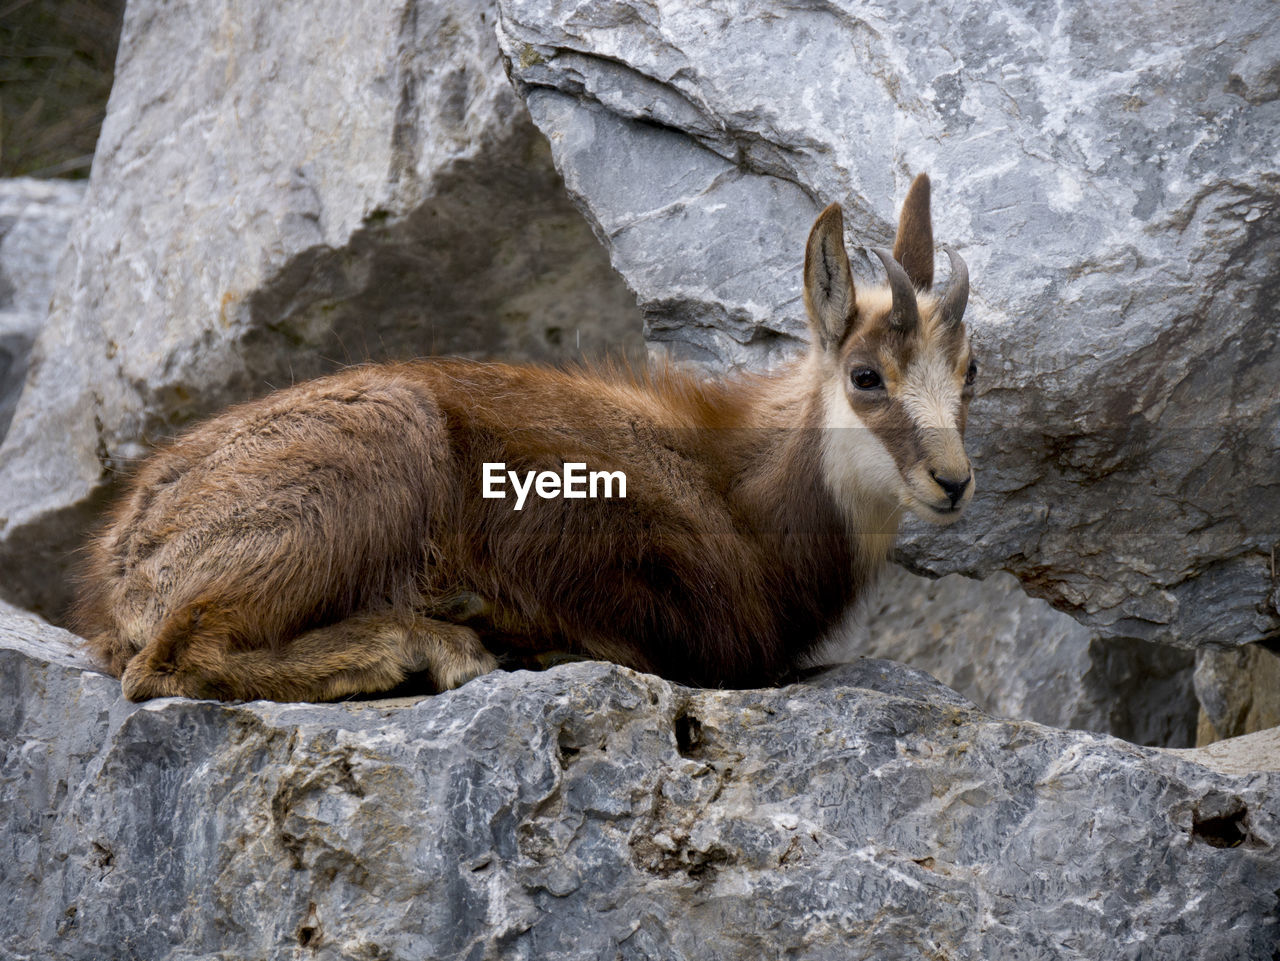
(331, 538)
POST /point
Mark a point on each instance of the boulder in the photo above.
(1017, 657)
(35, 216)
(275, 193)
(592, 812)
(1107, 171)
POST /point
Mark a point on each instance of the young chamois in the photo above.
(333, 538)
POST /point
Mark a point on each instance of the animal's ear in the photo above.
(829, 295)
(914, 246)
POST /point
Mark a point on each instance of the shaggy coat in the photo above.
(332, 539)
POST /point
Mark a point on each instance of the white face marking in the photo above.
(930, 394)
(860, 473)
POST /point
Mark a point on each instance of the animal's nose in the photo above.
(954, 489)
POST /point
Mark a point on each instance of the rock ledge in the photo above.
(592, 812)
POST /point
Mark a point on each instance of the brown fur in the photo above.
(331, 539)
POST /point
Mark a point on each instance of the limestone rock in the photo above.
(1238, 689)
(277, 192)
(1017, 657)
(35, 216)
(591, 812)
(1107, 171)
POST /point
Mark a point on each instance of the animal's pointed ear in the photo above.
(914, 246)
(829, 295)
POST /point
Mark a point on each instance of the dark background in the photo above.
(56, 62)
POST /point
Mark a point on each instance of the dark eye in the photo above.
(971, 374)
(864, 378)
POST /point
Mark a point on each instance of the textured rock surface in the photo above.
(1108, 171)
(591, 812)
(1238, 689)
(35, 216)
(1017, 657)
(278, 191)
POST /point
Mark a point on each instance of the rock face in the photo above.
(1107, 171)
(1238, 689)
(274, 194)
(1017, 657)
(35, 216)
(592, 812)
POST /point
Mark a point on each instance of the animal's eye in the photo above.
(971, 374)
(864, 378)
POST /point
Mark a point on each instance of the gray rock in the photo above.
(1017, 657)
(592, 812)
(1238, 689)
(275, 194)
(1107, 171)
(35, 216)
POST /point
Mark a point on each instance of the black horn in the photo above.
(905, 315)
(957, 296)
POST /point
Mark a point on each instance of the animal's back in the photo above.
(672, 578)
(362, 491)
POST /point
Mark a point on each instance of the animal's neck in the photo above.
(796, 470)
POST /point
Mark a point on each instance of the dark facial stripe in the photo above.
(895, 429)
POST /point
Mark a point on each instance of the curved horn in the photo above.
(957, 296)
(905, 315)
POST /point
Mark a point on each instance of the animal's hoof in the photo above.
(464, 668)
(463, 607)
(141, 682)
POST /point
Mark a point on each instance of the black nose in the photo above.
(954, 489)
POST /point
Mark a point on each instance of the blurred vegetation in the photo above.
(56, 62)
